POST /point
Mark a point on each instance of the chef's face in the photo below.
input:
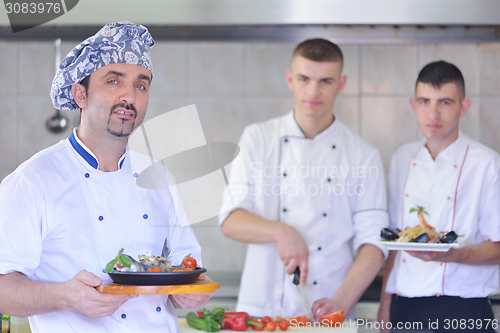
(315, 86)
(116, 100)
(438, 111)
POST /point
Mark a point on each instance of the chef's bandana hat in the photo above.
(120, 42)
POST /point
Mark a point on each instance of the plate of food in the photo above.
(150, 270)
(411, 246)
(156, 278)
(422, 237)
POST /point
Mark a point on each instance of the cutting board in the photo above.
(200, 286)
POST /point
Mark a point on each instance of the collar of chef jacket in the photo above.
(447, 154)
(293, 129)
(87, 154)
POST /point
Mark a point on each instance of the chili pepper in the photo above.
(255, 327)
(238, 321)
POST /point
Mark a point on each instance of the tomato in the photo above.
(189, 261)
(266, 320)
(118, 264)
(283, 325)
(271, 326)
(155, 269)
(333, 318)
(302, 319)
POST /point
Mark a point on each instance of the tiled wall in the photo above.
(235, 84)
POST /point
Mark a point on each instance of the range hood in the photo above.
(280, 19)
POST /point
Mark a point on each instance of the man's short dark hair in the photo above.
(440, 72)
(319, 50)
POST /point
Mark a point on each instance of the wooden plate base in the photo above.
(200, 286)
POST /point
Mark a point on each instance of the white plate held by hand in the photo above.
(437, 247)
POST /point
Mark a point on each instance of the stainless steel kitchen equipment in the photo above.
(57, 123)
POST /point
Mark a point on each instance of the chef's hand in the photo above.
(433, 256)
(324, 306)
(192, 302)
(81, 295)
(293, 251)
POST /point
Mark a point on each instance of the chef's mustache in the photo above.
(125, 106)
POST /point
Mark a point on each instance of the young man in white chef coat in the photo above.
(316, 193)
(67, 211)
(456, 180)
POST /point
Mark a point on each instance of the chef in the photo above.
(316, 195)
(68, 210)
(456, 180)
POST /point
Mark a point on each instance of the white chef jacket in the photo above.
(60, 214)
(460, 190)
(330, 188)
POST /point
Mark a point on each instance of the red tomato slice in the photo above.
(155, 269)
(333, 318)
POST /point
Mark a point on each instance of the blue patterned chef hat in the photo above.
(120, 42)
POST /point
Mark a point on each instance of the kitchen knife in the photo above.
(303, 295)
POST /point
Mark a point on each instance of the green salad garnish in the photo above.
(120, 260)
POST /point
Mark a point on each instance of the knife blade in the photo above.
(304, 298)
